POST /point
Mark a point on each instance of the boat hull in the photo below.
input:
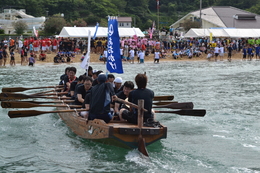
(117, 133)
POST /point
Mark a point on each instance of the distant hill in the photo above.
(143, 12)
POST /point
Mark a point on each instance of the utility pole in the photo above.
(200, 14)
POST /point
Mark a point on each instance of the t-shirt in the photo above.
(147, 95)
(81, 90)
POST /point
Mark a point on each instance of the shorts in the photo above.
(141, 60)
(30, 64)
(129, 116)
(132, 118)
(36, 49)
(216, 54)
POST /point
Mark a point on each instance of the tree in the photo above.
(19, 27)
(79, 23)
(54, 24)
(2, 31)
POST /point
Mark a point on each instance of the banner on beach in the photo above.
(35, 32)
(114, 62)
(96, 31)
(85, 62)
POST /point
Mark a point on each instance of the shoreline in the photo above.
(149, 58)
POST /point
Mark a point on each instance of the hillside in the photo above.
(143, 12)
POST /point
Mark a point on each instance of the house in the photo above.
(221, 17)
(124, 22)
(9, 16)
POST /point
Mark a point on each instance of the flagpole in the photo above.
(158, 14)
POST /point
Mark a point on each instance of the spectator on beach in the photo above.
(141, 56)
(157, 56)
(31, 60)
(12, 60)
(229, 48)
(42, 56)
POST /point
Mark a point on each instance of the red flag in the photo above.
(158, 4)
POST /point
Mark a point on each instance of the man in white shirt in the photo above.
(216, 52)
(141, 56)
(132, 55)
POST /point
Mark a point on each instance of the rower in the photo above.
(127, 88)
(70, 78)
(75, 84)
(99, 99)
(141, 93)
(82, 90)
(117, 84)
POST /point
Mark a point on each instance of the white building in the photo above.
(221, 17)
(124, 22)
(11, 15)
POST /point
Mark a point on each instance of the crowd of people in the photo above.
(131, 48)
(97, 93)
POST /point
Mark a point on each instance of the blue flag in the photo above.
(96, 31)
(114, 62)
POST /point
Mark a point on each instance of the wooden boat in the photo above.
(117, 133)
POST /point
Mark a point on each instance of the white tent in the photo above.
(101, 32)
(223, 32)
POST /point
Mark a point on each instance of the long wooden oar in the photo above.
(51, 94)
(14, 96)
(164, 103)
(184, 105)
(187, 112)
(17, 104)
(159, 98)
(20, 89)
(30, 113)
(57, 89)
(53, 101)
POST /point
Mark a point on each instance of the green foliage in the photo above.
(93, 11)
(2, 31)
(19, 27)
(79, 23)
(54, 24)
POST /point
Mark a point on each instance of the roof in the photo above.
(223, 16)
(101, 32)
(124, 19)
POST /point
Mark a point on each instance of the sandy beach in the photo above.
(95, 58)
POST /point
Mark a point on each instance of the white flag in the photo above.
(85, 62)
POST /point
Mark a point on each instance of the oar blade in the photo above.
(164, 103)
(187, 112)
(24, 113)
(142, 147)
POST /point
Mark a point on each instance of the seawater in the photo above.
(227, 139)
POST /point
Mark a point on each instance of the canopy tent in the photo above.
(101, 32)
(223, 32)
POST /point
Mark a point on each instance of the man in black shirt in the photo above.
(140, 93)
(127, 88)
(82, 90)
